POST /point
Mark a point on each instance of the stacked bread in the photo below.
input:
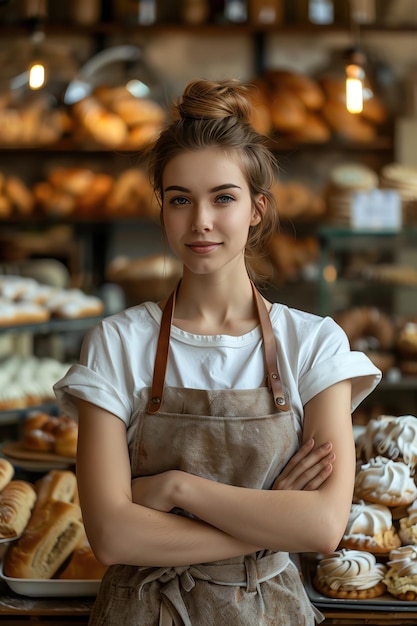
(114, 117)
(306, 109)
(378, 551)
(31, 122)
(83, 191)
(53, 536)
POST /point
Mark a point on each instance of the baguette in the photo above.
(6, 473)
(52, 533)
(16, 503)
(56, 485)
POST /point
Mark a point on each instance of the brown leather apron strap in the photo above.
(162, 352)
(274, 382)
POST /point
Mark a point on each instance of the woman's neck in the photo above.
(206, 306)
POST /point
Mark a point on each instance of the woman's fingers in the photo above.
(308, 468)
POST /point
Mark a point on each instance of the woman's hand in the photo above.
(308, 469)
(155, 492)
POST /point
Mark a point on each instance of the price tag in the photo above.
(377, 209)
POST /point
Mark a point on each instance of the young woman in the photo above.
(215, 432)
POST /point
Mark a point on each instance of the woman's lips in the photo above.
(203, 247)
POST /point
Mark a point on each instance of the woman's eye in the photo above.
(225, 199)
(179, 200)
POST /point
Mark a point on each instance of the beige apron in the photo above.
(243, 438)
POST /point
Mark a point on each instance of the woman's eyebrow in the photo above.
(185, 190)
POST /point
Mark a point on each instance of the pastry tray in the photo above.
(33, 460)
(51, 588)
(383, 603)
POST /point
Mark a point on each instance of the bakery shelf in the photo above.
(53, 326)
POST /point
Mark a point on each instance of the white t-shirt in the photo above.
(117, 361)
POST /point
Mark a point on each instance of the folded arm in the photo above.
(295, 516)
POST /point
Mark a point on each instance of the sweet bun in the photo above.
(39, 440)
(370, 527)
(66, 439)
(401, 577)
(350, 575)
(365, 322)
(384, 481)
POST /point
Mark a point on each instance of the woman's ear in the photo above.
(258, 209)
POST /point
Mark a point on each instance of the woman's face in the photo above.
(207, 209)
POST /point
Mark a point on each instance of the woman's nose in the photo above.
(201, 219)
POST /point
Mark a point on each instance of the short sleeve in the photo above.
(101, 377)
(355, 366)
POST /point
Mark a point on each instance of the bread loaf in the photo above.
(56, 485)
(6, 473)
(53, 532)
(16, 502)
(83, 565)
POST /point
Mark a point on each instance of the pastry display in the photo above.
(370, 528)
(384, 481)
(394, 437)
(25, 300)
(401, 577)
(350, 574)
(28, 381)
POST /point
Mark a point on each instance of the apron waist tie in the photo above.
(250, 573)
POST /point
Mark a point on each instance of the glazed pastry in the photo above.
(401, 577)
(389, 436)
(370, 528)
(350, 574)
(385, 481)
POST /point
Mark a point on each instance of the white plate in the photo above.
(51, 587)
(8, 539)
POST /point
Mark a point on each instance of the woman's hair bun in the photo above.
(204, 99)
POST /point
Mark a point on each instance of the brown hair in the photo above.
(217, 115)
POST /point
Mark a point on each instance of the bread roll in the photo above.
(16, 503)
(66, 439)
(306, 88)
(83, 565)
(6, 473)
(52, 533)
(288, 113)
(56, 485)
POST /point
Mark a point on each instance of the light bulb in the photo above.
(36, 76)
(354, 88)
